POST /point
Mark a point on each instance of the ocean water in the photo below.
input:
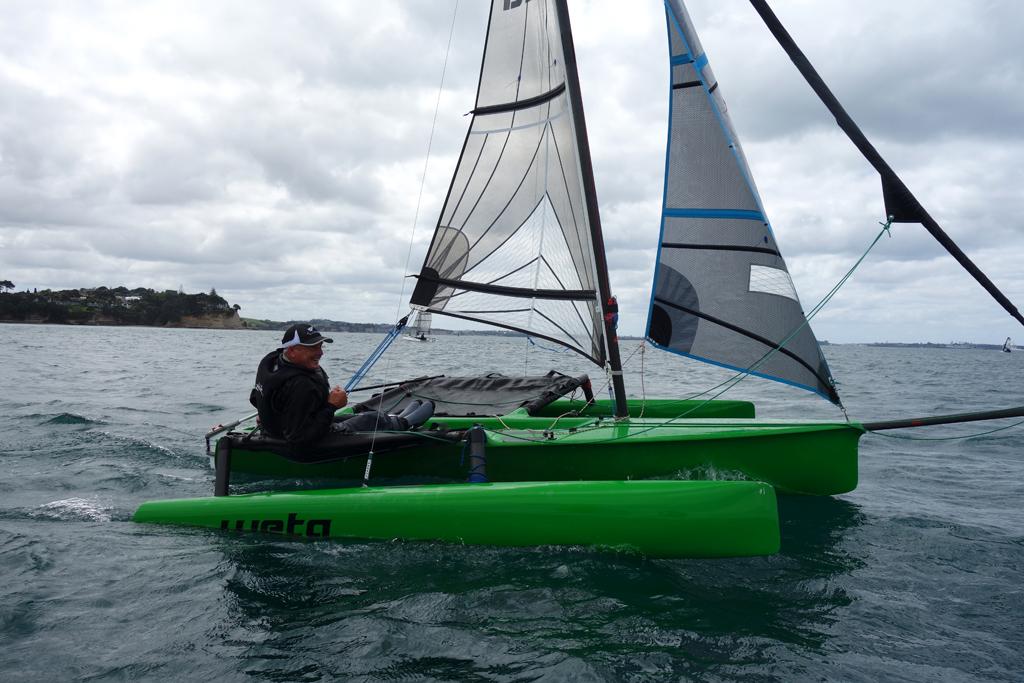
(915, 576)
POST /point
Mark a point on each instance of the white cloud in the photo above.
(275, 152)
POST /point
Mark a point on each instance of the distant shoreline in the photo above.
(381, 328)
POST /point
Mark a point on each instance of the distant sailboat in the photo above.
(1008, 345)
(420, 329)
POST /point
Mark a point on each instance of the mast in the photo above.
(604, 297)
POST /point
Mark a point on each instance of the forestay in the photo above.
(512, 247)
(722, 292)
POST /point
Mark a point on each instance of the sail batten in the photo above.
(722, 293)
(512, 247)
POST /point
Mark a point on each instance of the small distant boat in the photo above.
(1008, 345)
(420, 328)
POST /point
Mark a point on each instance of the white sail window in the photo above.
(772, 281)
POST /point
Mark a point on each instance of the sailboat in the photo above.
(519, 246)
(1008, 345)
(420, 328)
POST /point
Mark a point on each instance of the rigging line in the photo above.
(643, 388)
(496, 323)
(733, 381)
(736, 379)
(604, 386)
(764, 341)
(558, 327)
(426, 161)
(416, 216)
(898, 198)
(728, 384)
(552, 349)
(462, 153)
(947, 438)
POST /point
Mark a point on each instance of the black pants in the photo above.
(369, 422)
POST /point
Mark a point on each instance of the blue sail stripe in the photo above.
(744, 214)
(681, 59)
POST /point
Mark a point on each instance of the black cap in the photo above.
(303, 335)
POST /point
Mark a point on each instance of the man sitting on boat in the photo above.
(296, 402)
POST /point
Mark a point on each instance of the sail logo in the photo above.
(292, 526)
(512, 4)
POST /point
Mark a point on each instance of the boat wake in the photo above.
(75, 509)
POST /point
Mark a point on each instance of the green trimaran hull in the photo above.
(804, 458)
(656, 518)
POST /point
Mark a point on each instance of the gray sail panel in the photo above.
(512, 247)
(722, 292)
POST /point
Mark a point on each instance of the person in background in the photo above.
(296, 402)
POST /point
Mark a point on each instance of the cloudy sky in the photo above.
(275, 151)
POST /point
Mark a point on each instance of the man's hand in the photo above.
(338, 398)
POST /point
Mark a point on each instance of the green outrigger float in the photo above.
(519, 246)
(656, 518)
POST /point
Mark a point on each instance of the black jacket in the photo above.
(291, 400)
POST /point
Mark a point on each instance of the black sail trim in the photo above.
(721, 247)
(521, 104)
(567, 333)
(498, 279)
(528, 333)
(517, 292)
(687, 84)
(584, 323)
(756, 337)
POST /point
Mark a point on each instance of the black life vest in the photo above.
(267, 396)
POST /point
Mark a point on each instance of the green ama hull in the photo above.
(654, 518)
(805, 458)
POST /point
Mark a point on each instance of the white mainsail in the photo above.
(512, 247)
